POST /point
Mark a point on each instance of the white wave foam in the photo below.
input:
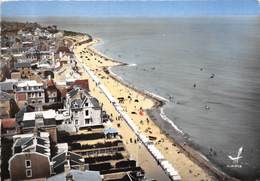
(115, 75)
(164, 117)
(156, 96)
(131, 65)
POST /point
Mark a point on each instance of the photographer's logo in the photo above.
(236, 159)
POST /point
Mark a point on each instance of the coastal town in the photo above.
(66, 116)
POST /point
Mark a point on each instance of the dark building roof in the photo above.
(75, 104)
(73, 92)
(22, 141)
(62, 158)
(94, 101)
(28, 124)
(7, 86)
(27, 143)
(41, 149)
(5, 96)
(22, 65)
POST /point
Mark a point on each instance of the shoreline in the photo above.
(194, 155)
(189, 151)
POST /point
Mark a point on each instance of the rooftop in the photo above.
(78, 175)
(29, 83)
(5, 96)
(49, 114)
(8, 123)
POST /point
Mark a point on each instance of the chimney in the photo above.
(39, 120)
(66, 169)
(69, 177)
(82, 167)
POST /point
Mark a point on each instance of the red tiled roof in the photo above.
(63, 92)
(51, 84)
(8, 123)
(63, 49)
(82, 83)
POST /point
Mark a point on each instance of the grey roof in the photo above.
(78, 175)
(76, 104)
(41, 141)
(22, 65)
(41, 149)
(67, 127)
(7, 86)
(59, 159)
(73, 92)
(22, 141)
(94, 101)
(26, 143)
(62, 158)
(28, 124)
(110, 131)
(75, 158)
(5, 96)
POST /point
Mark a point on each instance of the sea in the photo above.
(208, 70)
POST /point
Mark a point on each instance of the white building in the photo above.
(30, 92)
(80, 110)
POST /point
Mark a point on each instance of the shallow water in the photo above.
(171, 55)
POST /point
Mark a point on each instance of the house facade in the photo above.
(83, 108)
(44, 120)
(51, 92)
(30, 158)
(30, 92)
(80, 110)
(24, 68)
(8, 106)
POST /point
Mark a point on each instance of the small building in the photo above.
(9, 85)
(43, 120)
(52, 94)
(30, 158)
(30, 92)
(61, 160)
(110, 132)
(80, 110)
(8, 106)
(24, 68)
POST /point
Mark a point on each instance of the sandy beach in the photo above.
(136, 104)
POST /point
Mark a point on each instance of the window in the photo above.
(28, 172)
(28, 163)
(86, 112)
(40, 94)
(76, 122)
(86, 104)
(87, 121)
